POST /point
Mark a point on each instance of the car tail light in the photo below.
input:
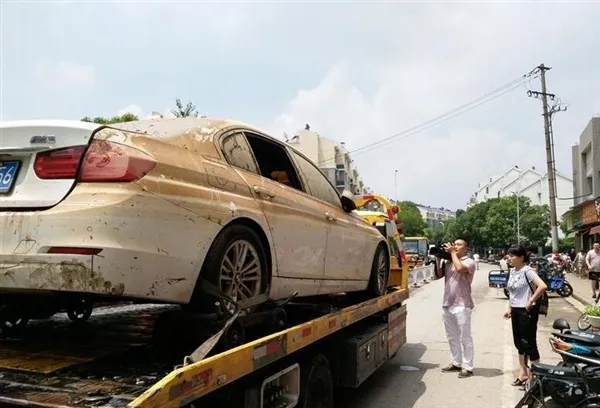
(107, 161)
(59, 163)
(403, 256)
(74, 251)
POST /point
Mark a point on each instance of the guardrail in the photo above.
(419, 276)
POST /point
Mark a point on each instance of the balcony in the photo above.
(340, 182)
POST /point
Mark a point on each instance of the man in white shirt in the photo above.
(592, 260)
(476, 259)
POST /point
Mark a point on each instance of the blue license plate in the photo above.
(8, 175)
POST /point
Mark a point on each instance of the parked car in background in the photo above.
(145, 210)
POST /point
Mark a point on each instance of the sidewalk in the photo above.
(582, 289)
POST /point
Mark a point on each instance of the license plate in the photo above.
(8, 175)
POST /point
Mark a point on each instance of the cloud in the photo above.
(143, 114)
(65, 75)
(439, 168)
(355, 72)
(459, 54)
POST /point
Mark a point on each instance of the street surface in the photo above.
(413, 378)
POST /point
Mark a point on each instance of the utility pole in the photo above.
(396, 185)
(544, 95)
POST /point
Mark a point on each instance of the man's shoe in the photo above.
(450, 368)
(464, 373)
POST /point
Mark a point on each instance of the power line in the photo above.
(517, 83)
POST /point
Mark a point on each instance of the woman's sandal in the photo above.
(518, 382)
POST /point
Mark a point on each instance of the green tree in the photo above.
(189, 111)
(411, 219)
(436, 234)
(126, 117)
(563, 225)
(535, 225)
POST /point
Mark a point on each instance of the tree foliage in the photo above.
(411, 218)
(187, 111)
(126, 117)
(493, 223)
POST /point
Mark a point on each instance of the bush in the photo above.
(592, 310)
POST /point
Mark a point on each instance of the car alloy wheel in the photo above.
(241, 272)
(382, 270)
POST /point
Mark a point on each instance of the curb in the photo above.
(581, 299)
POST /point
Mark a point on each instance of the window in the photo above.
(273, 161)
(318, 184)
(237, 152)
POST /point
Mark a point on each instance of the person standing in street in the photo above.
(457, 306)
(579, 263)
(476, 259)
(525, 288)
(592, 261)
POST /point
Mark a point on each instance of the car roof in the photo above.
(161, 128)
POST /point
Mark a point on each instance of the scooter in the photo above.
(575, 346)
(562, 385)
(574, 382)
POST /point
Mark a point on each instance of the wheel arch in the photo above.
(264, 239)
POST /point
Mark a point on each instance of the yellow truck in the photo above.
(416, 249)
(378, 211)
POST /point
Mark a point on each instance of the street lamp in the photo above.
(396, 185)
(516, 193)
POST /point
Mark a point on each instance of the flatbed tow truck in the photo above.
(147, 356)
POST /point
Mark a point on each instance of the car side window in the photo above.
(273, 161)
(237, 152)
(318, 184)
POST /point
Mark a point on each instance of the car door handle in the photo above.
(263, 191)
(330, 216)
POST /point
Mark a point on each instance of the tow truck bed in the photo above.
(111, 361)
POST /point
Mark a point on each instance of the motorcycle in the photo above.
(574, 382)
(563, 385)
(552, 276)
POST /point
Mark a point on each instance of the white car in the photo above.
(141, 210)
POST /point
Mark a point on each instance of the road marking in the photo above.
(508, 393)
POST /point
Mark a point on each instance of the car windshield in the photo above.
(372, 206)
(411, 247)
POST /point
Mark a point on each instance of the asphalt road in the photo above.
(413, 378)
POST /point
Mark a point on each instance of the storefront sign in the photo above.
(590, 213)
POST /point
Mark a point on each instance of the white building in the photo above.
(435, 216)
(332, 158)
(526, 183)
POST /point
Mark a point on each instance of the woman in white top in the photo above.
(525, 287)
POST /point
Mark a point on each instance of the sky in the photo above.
(356, 72)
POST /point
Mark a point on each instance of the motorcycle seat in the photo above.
(590, 339)
(554, 371)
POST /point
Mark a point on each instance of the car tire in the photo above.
(380, 272)
(222, 247)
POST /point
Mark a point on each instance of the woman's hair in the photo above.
(519, 251)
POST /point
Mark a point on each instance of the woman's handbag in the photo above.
(542, 303)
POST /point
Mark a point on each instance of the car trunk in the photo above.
(39, 161)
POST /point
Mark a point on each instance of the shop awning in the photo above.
(595, 230)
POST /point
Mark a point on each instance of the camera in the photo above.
(440, 252)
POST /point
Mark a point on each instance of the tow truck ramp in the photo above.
(112, 362)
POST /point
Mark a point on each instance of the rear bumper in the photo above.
(151, 249)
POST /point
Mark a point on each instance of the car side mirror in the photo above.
(348, 203)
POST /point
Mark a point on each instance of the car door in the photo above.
(297, 227)
(346, 239)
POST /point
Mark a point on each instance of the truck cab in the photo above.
(382, 214)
